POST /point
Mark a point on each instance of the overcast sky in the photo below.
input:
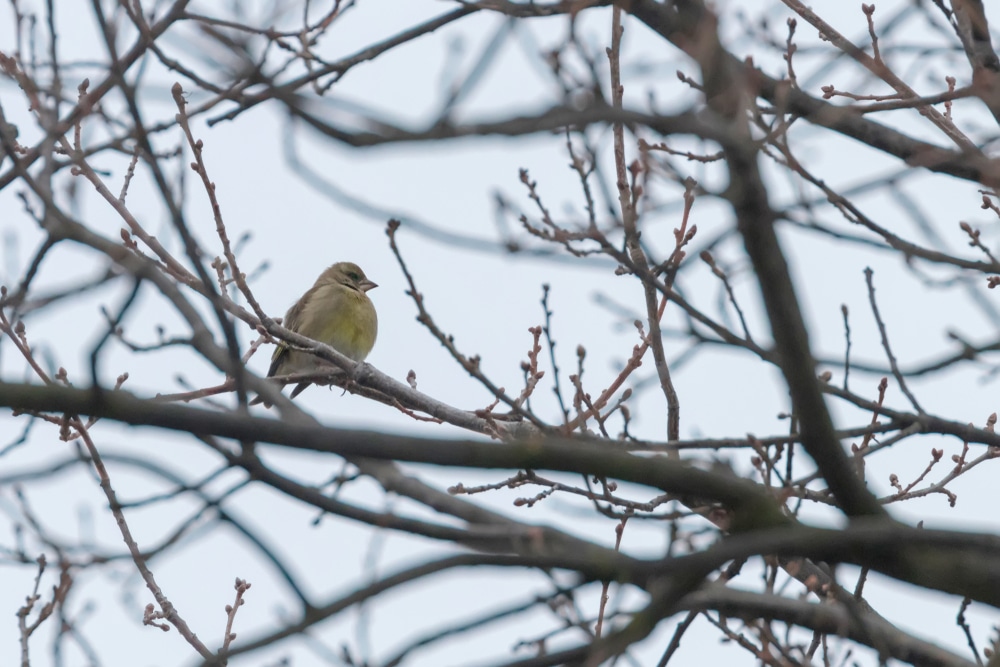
(446, 196)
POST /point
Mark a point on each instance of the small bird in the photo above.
(337, 311)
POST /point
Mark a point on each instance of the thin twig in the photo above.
(885, 343)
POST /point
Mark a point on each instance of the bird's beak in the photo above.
(366, 285)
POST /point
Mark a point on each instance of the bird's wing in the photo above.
(292, 322)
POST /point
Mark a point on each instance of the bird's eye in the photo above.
(353, 276)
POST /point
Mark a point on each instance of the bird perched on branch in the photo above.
(337, 311)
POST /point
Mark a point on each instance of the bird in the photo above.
(337, 311)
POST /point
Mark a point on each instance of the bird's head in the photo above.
(347, 274)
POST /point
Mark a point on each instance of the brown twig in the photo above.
(885, 343)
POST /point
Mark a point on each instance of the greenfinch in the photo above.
(337, 311)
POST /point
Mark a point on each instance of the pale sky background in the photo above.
(487, 300)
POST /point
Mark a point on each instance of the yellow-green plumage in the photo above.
(337, 311)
